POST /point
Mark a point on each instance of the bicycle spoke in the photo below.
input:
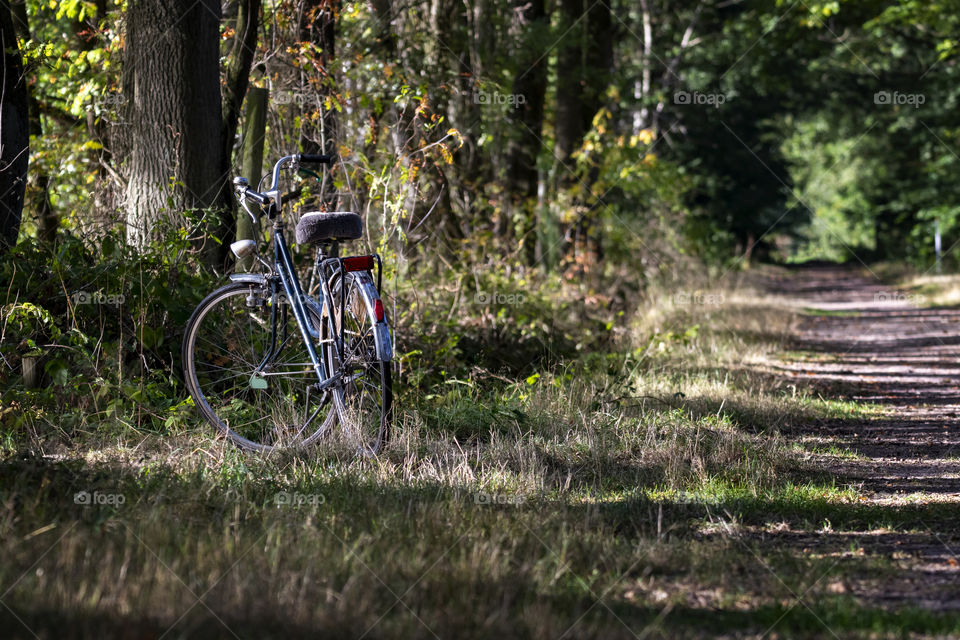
(252, 371)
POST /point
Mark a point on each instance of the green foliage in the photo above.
(829, 176)
(491, 322)
(106, 323)
(788, 155)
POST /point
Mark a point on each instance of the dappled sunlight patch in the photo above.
(929, 289)
(659, 477)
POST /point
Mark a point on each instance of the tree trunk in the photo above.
(255, 126)
(641, 90)
(383, 20)
(569, 85)
(14, 133)
(598, 61)
(47, 219)
(320, 29)
(584, 62)
(529, 91)
(237, 73)
(172, 76)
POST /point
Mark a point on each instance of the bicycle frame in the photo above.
(284, 277)
(283, 271)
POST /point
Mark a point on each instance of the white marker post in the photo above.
(936, 240)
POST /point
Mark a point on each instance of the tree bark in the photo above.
(14, 133)
(523, 148)
(584, 65)
(529, 92)
(383, 12)
(569, 85)
(255, 126)
(598, 63)
(47, 219)
(172, 80)
(237, 73)
(320, 29)
(584, 62)
(641, 91)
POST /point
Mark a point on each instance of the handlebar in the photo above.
(273, 194)
(246, 192)
(316, 158)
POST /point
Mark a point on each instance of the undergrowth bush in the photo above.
(105, 324)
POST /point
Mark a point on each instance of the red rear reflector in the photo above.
(378, 310)
(358, 263)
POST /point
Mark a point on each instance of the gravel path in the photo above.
(862, 340)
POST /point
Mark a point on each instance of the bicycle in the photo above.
(270, 366)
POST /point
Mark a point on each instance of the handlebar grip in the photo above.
(316, 158)
(254, 195)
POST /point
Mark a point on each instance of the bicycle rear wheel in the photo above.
(249, 372)
(364, 402)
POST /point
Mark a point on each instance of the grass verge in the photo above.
(626, 492)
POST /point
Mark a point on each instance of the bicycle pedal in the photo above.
(329, 382)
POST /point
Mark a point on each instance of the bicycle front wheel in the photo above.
(249, 372)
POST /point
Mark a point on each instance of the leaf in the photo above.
(59, 371)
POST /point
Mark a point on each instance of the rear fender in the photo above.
(381, 329)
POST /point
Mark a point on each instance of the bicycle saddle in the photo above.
(318, 226)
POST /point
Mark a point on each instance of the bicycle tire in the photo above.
(286, 385)
(349, 411)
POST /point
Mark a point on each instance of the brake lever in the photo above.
(242, 185)
(253, 216)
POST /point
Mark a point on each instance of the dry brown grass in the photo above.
(598, 500)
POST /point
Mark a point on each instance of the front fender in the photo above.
(249, 278)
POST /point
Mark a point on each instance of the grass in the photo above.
(924, 287)
(616, 494)
(831, 313)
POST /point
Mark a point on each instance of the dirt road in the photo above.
(864, 341)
